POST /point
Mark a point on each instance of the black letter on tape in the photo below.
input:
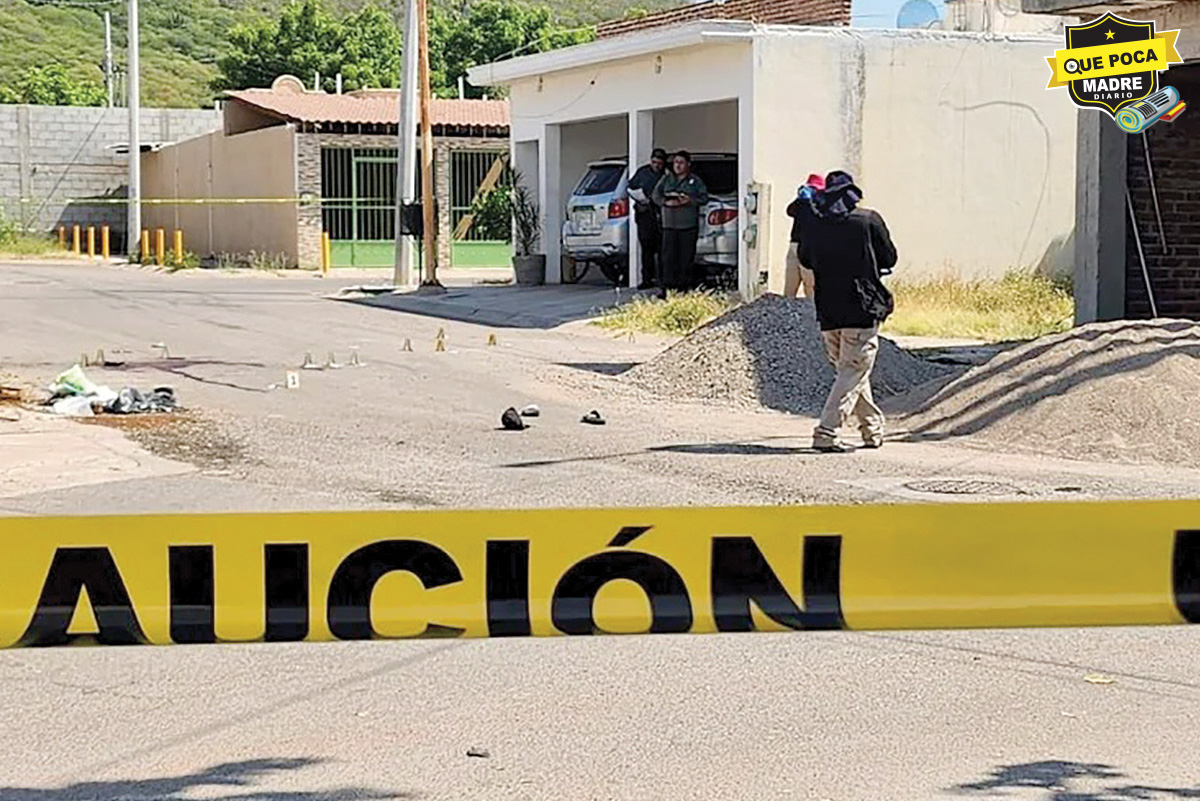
(670, 607)
(349, 607)
(740, 574)
(191, 571)
(1185, 575)
(508, 588)
(286, 582)
(71, 570)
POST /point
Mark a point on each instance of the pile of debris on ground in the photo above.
(769, 353)
(1121, 392)
(75, 395)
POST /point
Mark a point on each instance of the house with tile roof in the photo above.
(303, 163)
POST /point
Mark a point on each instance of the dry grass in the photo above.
(1021, 305)
(28, 246)
(678, 315)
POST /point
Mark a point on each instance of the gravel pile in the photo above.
(768, 353)
(1118, 392)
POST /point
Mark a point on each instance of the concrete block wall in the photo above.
(54, 159)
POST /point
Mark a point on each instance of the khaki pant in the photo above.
(796, 274)
(852, 352)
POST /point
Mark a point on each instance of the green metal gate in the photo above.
(358, 187)
(480, 216)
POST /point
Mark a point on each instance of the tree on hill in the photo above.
(491, 30)
(52, 85)
(305, 40)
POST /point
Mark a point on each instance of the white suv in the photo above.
(596, 229)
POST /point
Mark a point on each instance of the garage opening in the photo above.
(593, 172)
(595, 167)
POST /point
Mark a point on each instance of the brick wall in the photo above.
(767, 12)
(1175, 157)
(53, 159)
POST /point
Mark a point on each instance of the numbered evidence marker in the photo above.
(293, 380)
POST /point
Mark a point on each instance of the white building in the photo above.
(952, 136)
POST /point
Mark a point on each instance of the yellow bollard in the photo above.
(62, 237)
(160, 246)
(178, 246)
(91, 240)
(145, 246)
(326, 253)
(104, 242)
(75, 240)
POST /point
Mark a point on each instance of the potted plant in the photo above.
(529, 266)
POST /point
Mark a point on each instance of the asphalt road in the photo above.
(1095, 715)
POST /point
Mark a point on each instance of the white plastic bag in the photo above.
(73, 406)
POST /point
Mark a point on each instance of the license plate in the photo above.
(584, 218)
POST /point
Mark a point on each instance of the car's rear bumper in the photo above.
(610, 242)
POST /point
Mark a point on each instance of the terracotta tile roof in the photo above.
(370, 107)
(767, 12)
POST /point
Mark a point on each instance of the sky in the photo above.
(881, 13)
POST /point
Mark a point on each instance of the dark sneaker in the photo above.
(831, 447)
(511, 420)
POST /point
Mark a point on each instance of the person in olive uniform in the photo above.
(681, 195)
(646, 215)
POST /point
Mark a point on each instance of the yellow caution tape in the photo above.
(350, 576)
(206, 201)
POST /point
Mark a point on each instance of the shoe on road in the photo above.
(511, 420)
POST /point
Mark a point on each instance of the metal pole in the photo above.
(406, 184)
(430, 223)
(1141, 254)
(134, 222)
(1162, 232)
(108, 57)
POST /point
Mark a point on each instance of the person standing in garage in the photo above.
(646, 216)
(681, 194)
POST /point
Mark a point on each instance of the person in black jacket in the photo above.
(646, 214)
(849, 249)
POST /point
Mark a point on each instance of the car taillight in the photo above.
(722, 216)
(618, 208)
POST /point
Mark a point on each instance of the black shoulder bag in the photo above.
(873, 296)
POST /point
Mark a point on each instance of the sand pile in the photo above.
(1126, 391)
(768, 353)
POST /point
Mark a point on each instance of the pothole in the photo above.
(955, 486)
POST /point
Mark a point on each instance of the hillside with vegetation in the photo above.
(183, 41)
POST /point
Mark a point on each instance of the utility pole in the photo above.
(108, 58)
(134, 217)
(430, 280)
(406, 183)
